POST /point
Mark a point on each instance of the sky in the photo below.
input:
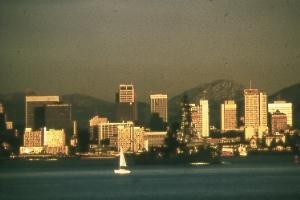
(92, 46)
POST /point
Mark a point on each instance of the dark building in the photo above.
(2, 118)
(35, 110)
(59, 116)
(47, 111)
(126, 107)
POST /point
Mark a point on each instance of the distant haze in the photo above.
(91, 46)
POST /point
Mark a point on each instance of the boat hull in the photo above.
(122, 171)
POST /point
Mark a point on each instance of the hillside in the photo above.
(216, 92)
(84, 107)
(290, 94)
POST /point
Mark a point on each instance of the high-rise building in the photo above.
(59, 116)
(159, 105)
(126, 107)
(228, 115)
(35, 110)
(256, 110)
(278, 122)
(283, 107)
(200, 118)
(204, 117)
(195, 118)
(2, 118)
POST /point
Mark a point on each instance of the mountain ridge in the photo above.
(85, 106)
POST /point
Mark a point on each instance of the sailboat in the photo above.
(122, 165)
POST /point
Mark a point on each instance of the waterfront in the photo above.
(254, 177)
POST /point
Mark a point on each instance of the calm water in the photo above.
(257, 177)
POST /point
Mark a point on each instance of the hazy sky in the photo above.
(91, 46)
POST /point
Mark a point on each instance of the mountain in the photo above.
(85, 107)
(290, 94)
(216, 92)
(14, 107)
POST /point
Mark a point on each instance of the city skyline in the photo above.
(169, 46)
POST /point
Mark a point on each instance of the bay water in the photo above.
(253, 177)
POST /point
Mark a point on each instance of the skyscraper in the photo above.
(2, 118)
(195, 116)
(159, 105)
(228, 115)
(59, 116)
(204, 117)
(126, 107)
(255, 108)
(35, 110)
(255, 112)
(283, 107)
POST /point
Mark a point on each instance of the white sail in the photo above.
(122, 159)
(122, 165)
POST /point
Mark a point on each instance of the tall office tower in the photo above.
(126, 107)
(228, 115)
(35, 110)
(204, 118)
(195, 116)
(2, 118)
(159, 104)
(59, 116)
(283, 107)
(278, 122)
(255, 111)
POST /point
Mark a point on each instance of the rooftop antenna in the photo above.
(250, 82)
(204, 94)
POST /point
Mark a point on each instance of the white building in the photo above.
(110, 131)
(256, 111)
(283, 107)
(204, 118)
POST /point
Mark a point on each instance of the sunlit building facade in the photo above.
(195, 118)
(110, 131)
(159, 105)
(283, 107)
(255, 112)
(33, 138)
(130, 138)
(126, 106)
(44, 142)
(204, 117)
(228, 115)
(278, 122)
